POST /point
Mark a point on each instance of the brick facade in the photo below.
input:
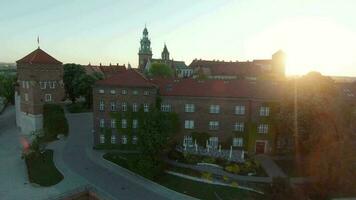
(247, 126)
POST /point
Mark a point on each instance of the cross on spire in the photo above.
(38, 41)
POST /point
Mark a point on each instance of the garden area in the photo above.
(41, 169)
(249, 168)
(192, 188)
(39, 160)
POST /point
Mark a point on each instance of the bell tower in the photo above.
(145, 51)
(165, 53)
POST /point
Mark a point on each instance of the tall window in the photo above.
(26, 97)
(23, 84)
(134, 107)
(264, 111)
(239, 126)
(101, 105)
(113, 139)
(134, 139)
(48, 97)
(124, 139)
(124, 92)
(43, 84)
(213, 125)
(102, 139)
(123, 123)
(263, 128)
(166, 107)
(146, 107)
(134, 123)
(189, 108)
(102, 123)
(237, 142)
(113, 123)
(124, 107)
(213, 142)
(239, 110)
(52, 84)
(146, 92)
(214, 109)
(189, 124)
(113, 106)
(27, 84)
(188, 140)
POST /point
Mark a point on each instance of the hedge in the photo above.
(54, 121)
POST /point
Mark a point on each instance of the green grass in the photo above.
(41, 169)
(205, 191)
(289, 167)
(192, 188)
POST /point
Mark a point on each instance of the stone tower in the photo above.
(278, 63)
(145, 51)
(40, 81)
(165, 53)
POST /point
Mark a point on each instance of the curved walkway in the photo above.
(80, 158)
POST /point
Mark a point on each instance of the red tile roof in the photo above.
(228, 68)
(126, 78)
(38, 56)
(220, 88)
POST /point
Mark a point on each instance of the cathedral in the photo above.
(145, 58)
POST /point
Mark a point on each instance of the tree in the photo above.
(160, 70)
(321, 133)
(71, 78)
(84, 87)
(156, 134)
(7, 87)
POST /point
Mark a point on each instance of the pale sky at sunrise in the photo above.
(317, 35)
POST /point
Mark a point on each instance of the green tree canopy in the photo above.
(160, 70)
(71, 78)
(7, 86)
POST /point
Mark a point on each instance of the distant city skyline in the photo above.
(316, 35)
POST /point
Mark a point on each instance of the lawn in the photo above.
(289, 167)
(205, 191)
(41, 169)
(192, 188)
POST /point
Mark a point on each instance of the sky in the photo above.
(316, 35)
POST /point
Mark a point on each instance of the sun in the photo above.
(311, 44)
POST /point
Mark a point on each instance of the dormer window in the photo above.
(146, 92)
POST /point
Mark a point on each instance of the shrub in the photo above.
(175, 155)
(208, 160)
(207, 176)
(234, 184)
(234, 168)
(76, 108)
(191, 159)
(54, 121)
(225, 178)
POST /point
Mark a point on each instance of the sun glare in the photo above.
(311, 44)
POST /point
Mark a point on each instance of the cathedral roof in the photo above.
(38, 56)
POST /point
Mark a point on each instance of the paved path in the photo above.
(76, 160)
(13, 175)
(114, 180)
(271, 168)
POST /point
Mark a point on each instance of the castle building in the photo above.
(145, 58)
(40, 81)
(227, 70)
(237, 113)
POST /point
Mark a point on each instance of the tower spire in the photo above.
(38, 41)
